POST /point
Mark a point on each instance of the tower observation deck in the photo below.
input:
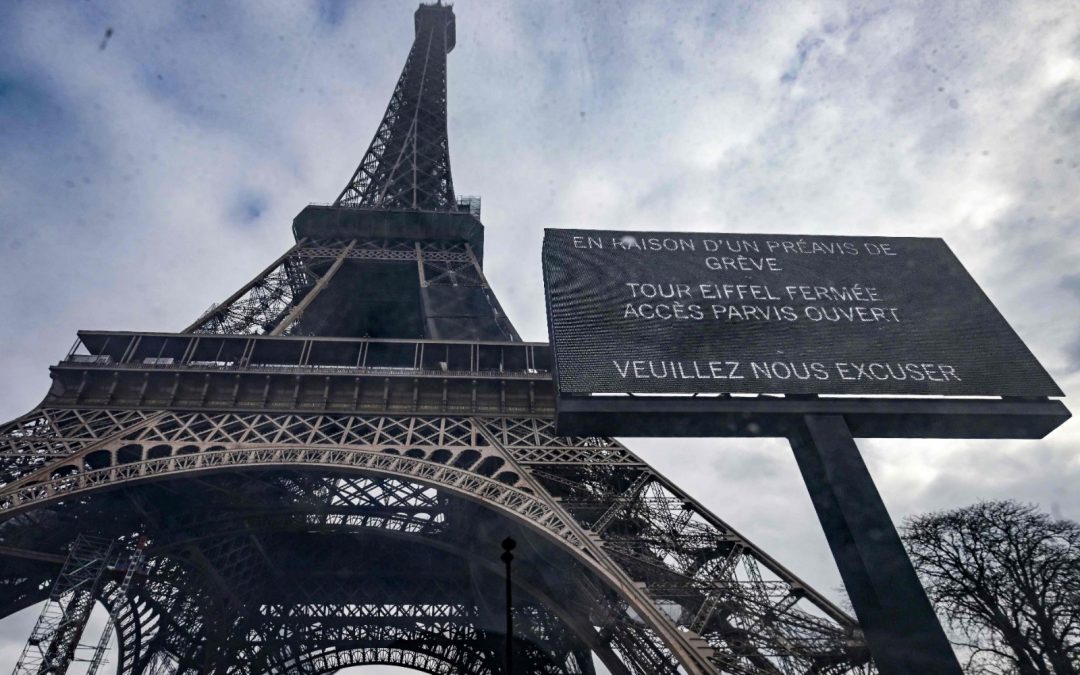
(318, 471)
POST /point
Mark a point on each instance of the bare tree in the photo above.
(1006, 577)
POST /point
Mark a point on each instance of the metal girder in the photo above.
(127, 566)
(259, 304)
(310, 296)
(450, 283)
(50, 649)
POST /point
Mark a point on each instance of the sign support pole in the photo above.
(900, 626)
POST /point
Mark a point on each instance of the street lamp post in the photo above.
(508, 545)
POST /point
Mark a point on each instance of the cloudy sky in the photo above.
(152, 157)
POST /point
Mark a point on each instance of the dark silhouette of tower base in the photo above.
(322, 466)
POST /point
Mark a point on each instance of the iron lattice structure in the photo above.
(407, 165)
(319, 471)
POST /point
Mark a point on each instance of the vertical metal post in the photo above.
(901, 629)
(507, 557)
(134, 566)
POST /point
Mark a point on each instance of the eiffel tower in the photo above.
(317, 473)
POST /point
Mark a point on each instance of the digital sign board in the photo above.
(679, 313)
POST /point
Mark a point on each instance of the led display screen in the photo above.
(663, 312)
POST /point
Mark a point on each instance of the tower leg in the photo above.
(52, 643)
(903, 633)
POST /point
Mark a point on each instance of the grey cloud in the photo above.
(1071, 283)
(688, 125)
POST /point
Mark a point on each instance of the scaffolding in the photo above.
(54, 641)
